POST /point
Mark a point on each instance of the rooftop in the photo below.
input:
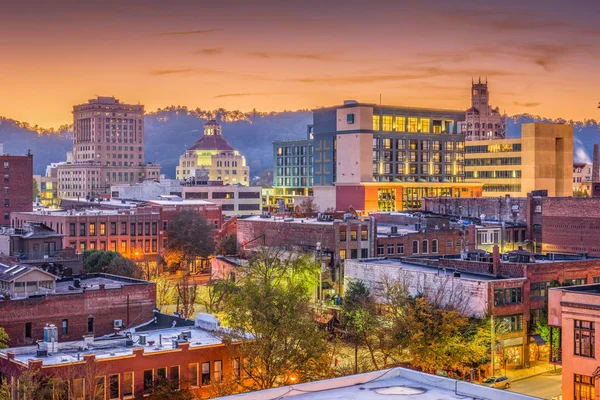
(397, 383)
(593, 289)
(180, 202)
(267, 217)
(157, 339)
(93, 282)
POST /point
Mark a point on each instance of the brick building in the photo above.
(90, 309)
(131, 364)
(17, 172)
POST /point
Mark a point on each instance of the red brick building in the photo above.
(122, 367)
(17, 178)
(90, 309)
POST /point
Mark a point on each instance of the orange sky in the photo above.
(540, 57)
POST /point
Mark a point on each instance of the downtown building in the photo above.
(387, 158)
(482, 121)
(108, 148)
(17, 181)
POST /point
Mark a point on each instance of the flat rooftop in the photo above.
(593, 289)
(447, 271)
(182, 202)
(93, 282)
(392, 384)
(290, 220)
(113, 347)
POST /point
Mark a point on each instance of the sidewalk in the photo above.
(537, 368)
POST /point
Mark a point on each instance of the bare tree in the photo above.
(186, 291)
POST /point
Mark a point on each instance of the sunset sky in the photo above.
(540, 57)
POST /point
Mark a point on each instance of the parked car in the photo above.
(499, 382)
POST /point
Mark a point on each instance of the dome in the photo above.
(212, 139)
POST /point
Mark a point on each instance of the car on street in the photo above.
(498, 382)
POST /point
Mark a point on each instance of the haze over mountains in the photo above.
(170, 131)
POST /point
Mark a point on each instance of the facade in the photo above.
(541, 159)
(88, 309)
(129, 364)
(131, 232)
(483, 122)
(108, 148)
(48, 186)
(292, 169)
(582, 178)
(386, 158)
(31, 242)
(234, 200)
(573, 316)
(17, 172)
(213, 154)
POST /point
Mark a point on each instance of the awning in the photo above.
(538, 340)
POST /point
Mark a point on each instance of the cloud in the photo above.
(210, 52)
(297, 56)
(532, 104)
(220, 96)
(160, 72)
(581, 154)
(183, 33)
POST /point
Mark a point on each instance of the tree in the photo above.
(3, 339)
(164, 291)
(186, 292)
(123, 267)
(166, 390)
(213, 296)
(36, 190)
(308, 207)
(190, 237)
(271, 321)
(110, 262)
(227, 245)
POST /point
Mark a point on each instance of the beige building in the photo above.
(541, 159)
(582, 179)
(108, 148)
(213, 154)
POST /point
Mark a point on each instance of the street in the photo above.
(544, 386)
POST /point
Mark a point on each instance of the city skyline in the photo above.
(270, 56)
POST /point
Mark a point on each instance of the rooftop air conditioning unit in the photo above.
(118, 323)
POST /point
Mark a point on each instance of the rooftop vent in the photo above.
(207, 322)
(350, 102)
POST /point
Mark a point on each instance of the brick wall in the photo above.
(17, 180)
(448, 242)
(133, 303)
(500, 208)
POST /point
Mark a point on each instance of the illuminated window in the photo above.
(342, 254)
(387, 123)
(425, 125)
(400, 125)
(376, 121)
(412, 124)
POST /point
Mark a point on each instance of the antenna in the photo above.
(379, 98)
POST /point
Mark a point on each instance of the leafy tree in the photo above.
(110, 262)
(123, 267)
(190, 237)
(186, 293)
(227, 245)
(3, 339)
(36, 189)
(213, 296)
(272, 323)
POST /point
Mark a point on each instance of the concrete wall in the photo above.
(356, 165)
(363, 118)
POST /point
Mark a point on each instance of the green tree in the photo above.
(3, 339)
(123, 267)
(36, 190)
(271, 320)
(110, 262)
(227, 245)
(190, 237)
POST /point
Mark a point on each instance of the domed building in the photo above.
(213, 155)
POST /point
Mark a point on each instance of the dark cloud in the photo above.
(532, 104)
(182, 33)
(210, 52)
(299, 56)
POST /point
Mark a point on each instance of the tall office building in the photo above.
(212, 155)
(108, 148)
(387, 158)
(482, 121)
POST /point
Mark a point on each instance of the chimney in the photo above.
(595, 165)
(495, 260)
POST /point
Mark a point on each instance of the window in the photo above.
(100, 392)
(539, 290)
(174, 376)
(575, 281)
(511, 323)
(380, 250)
(79, 389)
(102, 228)
(193, 372)
(349, 118)
(342, 236)
(90, 324)
(400, 124)
(71, 229)
(28, 330)
(149, 381)
(127, 384)
(236, 368)
(364, 235)
(342, 254)
(412, 124)
(584, 338)
(123, 228)
(400, 248)
(364, 253)
(585, 387)
(161, 374)
(113, 387)
(376, 121)
(218, 369)
(353, 236)
(434, 246)
(65, 326)
(205, 373)
(504, 297)
(387, 123)
(415, 249)
(425, 246)
(92, 229)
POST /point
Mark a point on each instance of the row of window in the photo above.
(478, 162)
(145, 246)
(493, 148)
(354, 235)
(514, 174)
(415, 144)
(142, 229)
(383, 168)
(295, 151)
(390, 123)
(417, 156)
(399, 248)
(502, 188)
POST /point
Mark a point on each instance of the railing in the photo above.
(46, 255)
